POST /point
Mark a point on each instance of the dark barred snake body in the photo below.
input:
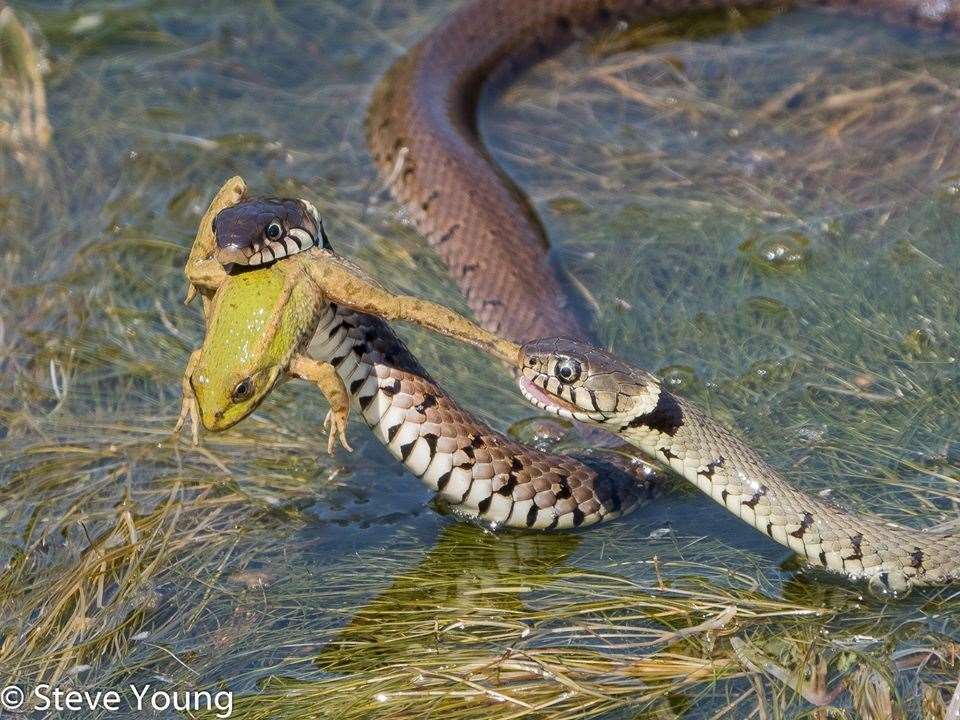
(422, 134)
(474, 470)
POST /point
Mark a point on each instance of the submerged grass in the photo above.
(761, 208)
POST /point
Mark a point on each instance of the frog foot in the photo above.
(189, 411)
(335, 423)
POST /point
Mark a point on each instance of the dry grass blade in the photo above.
(24, 124)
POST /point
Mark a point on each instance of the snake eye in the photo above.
(274, 231)
(243, 390)
(568, 370)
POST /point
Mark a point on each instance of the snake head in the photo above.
(581, 382)
(257, 232)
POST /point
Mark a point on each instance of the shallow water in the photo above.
(762, 209)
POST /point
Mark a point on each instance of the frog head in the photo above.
(226, 394)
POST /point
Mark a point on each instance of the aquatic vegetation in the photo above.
(324, 586)
(24, 126)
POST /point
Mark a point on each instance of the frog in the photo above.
(261, 317)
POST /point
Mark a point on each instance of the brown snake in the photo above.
(421, 130)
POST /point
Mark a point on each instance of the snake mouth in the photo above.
(235, 254)
(545, 401)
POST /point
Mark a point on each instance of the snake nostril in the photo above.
(218, 415)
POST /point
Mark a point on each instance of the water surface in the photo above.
(761, 208)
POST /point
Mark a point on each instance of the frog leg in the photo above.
(346, 285)
(325, 377)
(203, 277)
(188, 406)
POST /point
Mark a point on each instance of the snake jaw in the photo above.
(234, 254)
(553, 404)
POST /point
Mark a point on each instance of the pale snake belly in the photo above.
(475, 470)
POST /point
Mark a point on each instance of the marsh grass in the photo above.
(763, 209)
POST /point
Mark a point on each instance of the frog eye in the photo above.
(243, 390)
(568, 370)
(274, 231)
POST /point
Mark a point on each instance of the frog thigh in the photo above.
(232, 192)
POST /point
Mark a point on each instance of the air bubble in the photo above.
(677, 377)
(777, 252)
(542, 433)
(880, 589)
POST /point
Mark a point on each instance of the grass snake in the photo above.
(422, 133)
(421, 129)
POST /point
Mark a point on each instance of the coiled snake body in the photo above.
(474, 470)
(421, 132)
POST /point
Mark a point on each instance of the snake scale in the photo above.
(583, 383)
(476, 471)
(422, 134)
